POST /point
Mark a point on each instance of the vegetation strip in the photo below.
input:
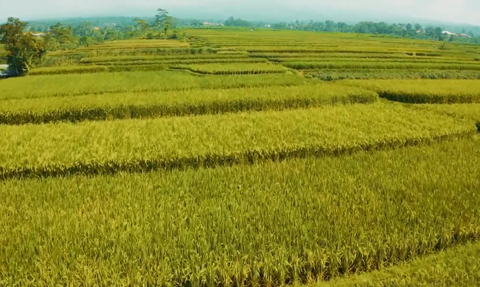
(234, 69)
(185, 62)
(94, 60)
(161, 81)
(198, 102)
(380, 65)
(424, 91)
(466, 111)
(182, 142)
(267, 224)
(365, 74)
(95, 69)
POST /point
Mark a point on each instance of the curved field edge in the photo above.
(267, 224)
(457, 266)
(183, 103)
(209, 141)
(423, 91)
(462, 111)
(335, 75)
(245, 69)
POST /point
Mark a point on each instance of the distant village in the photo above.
(212, 24)
(463, 35)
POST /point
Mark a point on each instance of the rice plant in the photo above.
(208, 141)
(159, 81)
(178, 103)
(233, 69)
(424, 91)
(267, 224)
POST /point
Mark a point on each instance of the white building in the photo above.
(449, 33)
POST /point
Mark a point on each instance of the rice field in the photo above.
(366, 74)
(456, 267)
(233, 69)
(424, 91)
(243, 158)
(178, 103)
(303, 51)
(120, 82)
(264, 225)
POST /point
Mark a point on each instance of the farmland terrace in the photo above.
(243, 158)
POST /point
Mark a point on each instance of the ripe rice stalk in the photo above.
(209, 141)
(178, 103)
(424, 91)
(269, 224)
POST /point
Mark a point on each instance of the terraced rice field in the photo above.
(424, 91)
(230, 161)
(367, 57)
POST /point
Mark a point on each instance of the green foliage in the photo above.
(267, 224)
(62, 34)
(142, 145)
(163, 21)
(3, 54)
(23, 50)
(146, 105)
(237, 22)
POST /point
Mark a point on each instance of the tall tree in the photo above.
(63, 34)
(430, 32)
(23, 50)
(142, 25)
(163, 20)
(438, 33)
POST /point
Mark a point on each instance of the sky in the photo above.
(457, 11)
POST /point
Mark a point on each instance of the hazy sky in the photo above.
(461, 11)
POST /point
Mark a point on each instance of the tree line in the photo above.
(24, 47)
(412, 31)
